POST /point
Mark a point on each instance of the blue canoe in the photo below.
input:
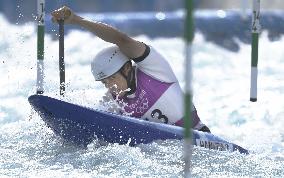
(80, 126)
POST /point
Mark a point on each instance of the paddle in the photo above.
(61, 57)
(188, 36)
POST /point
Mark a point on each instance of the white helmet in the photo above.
(107, 62)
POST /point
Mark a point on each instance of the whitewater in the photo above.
(221, 95)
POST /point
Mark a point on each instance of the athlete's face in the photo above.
(116, 84)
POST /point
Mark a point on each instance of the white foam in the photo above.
(221, 95)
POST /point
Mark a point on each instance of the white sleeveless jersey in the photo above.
(158, 96)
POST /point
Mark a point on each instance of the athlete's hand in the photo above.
(63, 13)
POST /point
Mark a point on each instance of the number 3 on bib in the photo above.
(157, 114)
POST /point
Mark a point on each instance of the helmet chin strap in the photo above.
(130, 79)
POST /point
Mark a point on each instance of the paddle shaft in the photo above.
(61, 57)
(40, 45)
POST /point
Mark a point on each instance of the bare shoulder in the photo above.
(131, 47)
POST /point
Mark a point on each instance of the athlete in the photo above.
(138, 78)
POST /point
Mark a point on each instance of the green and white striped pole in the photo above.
(189, 34)
(254, 49)
(40, 45)
(61, 57)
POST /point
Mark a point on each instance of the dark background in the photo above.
(25, 10)
(21, 11)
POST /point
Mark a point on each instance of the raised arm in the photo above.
(130, 47)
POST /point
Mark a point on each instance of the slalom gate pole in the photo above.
(61, 57)
(189, 35)
(40, 45)
(254, 49)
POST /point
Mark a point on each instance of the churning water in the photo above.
(221, 94)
